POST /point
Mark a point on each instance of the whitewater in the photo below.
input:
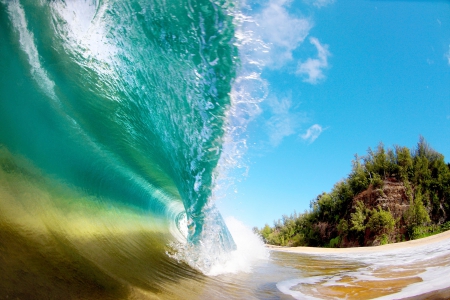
(121, 122)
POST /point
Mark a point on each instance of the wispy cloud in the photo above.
(282, 32)
(319, 3)
(312, 133)
(283, 121)
(278, 34)
(313, 67)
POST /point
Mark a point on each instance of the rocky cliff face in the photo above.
(392, 196)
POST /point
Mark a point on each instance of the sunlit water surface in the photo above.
(118, 123)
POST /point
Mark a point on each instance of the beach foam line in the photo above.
(415, 269)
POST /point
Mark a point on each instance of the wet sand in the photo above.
(438, 294)
(402, 245)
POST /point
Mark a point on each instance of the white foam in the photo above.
(250, 250)
(248, 91)
(83, 29)
(286, 287)
(420, 258)
(26, 40)
(209, 258)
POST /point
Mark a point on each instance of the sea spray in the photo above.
(248, 91)
(250, 250)
(211, 260)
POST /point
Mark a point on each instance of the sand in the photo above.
(435, 290)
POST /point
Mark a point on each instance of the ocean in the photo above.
(119, 122)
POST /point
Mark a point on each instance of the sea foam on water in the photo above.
(250, 250)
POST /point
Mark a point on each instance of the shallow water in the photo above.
(93, 262)
(118, 120)
(387, 274)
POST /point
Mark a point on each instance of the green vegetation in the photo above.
(390, 195)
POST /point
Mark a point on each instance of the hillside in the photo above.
(391, 195)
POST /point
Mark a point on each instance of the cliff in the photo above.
(391, 197)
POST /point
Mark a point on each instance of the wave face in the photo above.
(112, 120)
(124, 100)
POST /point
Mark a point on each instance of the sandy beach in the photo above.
(403, 245)
(387, 274)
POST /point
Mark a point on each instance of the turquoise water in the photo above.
(117, 121)
(122, 100)
(112, 124)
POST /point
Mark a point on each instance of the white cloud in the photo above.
(320, 3)
(312, 133)
(313, 67)
(272, 38)
(281, 31)
(283, 121)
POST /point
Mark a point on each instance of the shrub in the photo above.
(334, 243)
(445, 226)
(417, 215)
(381, 221)
(384, 239)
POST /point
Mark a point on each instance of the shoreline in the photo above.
(439, 293)
(401, 245)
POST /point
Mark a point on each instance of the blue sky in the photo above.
(341, 76)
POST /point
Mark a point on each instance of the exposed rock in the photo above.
(392, 196)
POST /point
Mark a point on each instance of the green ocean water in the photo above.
(114, 122)
(112, 117)
(121, 100)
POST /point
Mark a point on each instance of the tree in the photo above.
(335, 218)
(381, 161)
(342, 195)
(422, 174)
(424, 150)
(392, 168)
(358, 178)
(404, 162)
(358, 218)
(381, 221)
(342, 228)
(265, 232)
(417, 215)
